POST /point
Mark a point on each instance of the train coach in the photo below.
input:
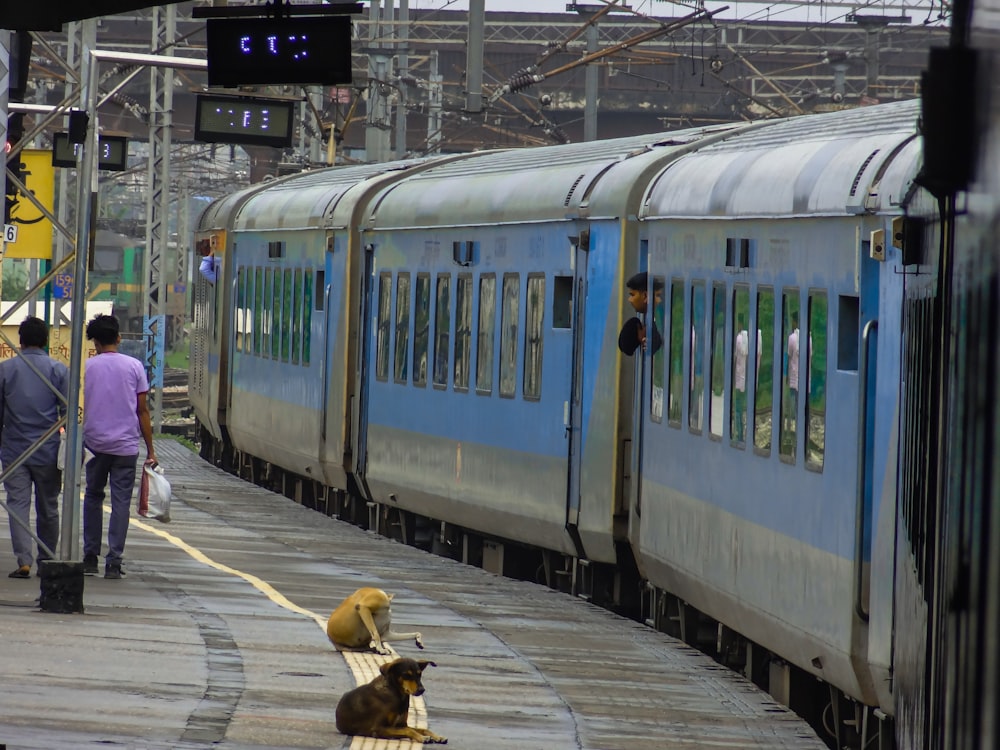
(429, 348)
(769, 443)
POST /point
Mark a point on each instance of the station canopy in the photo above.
(48, 16)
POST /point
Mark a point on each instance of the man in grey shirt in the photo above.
(29, 406)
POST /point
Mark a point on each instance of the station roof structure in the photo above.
(51, 16)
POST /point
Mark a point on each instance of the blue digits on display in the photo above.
(295, 49)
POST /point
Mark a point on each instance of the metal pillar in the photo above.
(78, 36)
(86, 211)
(161, 102)
(181, 258)
(402, 74)
(590, 88)
(435, 97)
(4, 87)
(377, 147)
(474, 57)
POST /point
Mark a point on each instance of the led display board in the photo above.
(296, 50)
(112, 154)
(249, 120)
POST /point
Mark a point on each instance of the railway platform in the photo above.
(216, 639)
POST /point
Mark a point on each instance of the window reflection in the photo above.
(816, 405)
(718, 368)
(790, 374)
(741, 354)
(677, 347)
(382, 340)
(463, 330)
(442, 329)
(508, 333)
(487, 327)
(659, 356)
(402, 326)
(763, 401)
(696, 393)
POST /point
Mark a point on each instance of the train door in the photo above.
(365, 347)
(867, 383)
(325, 336)
(574, 418)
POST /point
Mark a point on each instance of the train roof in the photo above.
(314, 199)
(847, 162)
(532, 184)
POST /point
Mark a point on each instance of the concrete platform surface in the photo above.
(216, 639)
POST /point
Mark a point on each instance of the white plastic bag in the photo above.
(154, 493)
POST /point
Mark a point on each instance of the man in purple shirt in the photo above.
(115, 416)
(30, 402)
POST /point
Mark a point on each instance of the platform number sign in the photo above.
(62, 287)
(10, 233)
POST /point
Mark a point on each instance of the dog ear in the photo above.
(386, 666)
(423, 664)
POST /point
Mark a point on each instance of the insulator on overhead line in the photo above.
(521, 81)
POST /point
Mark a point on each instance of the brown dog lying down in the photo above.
(363, 621)
(379, 708)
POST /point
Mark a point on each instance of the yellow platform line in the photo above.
(363, 665)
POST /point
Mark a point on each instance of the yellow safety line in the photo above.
(364, 665)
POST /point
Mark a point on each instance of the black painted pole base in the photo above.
(62, 586)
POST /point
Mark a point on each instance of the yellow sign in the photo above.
(34, 231)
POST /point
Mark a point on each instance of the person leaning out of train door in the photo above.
(30, 404)
(633, 333)
(209, 266)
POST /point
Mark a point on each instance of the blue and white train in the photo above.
(429, 348)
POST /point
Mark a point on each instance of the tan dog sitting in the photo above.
(379, 709)
(363, 621)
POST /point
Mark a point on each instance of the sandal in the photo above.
(23, 572)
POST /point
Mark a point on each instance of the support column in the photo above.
(474, 56)
(377, 148)
(161, 99)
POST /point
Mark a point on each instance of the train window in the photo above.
(487, 331)
(534, 315)
(319, 294)
(562, 301)
(286, 314)
(741, 353)
(763, 400)
(108, 260)
(421, 328)
(717, 386)
(675, 376)
(442, 329)
(508, 333)
(382, 331)
(276, 321)
(737, 252)
(463, 331)
(816, 381)
(848, 332)
(276, 249)
(659, 311)
(307, 306)
(696, 383)
(297, 312)
(788, 432)
(258, 310)
(265, 313)
(402, 327)
(241, 309)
